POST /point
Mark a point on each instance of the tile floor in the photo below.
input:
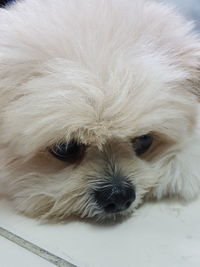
(163, 234)
(14, 255)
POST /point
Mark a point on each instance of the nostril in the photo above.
(110, 207)
(127, 205)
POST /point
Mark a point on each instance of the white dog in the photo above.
(98, 106)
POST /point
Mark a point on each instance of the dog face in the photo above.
(92, 116)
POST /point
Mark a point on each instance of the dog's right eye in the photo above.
(142, 143)
(71, 152)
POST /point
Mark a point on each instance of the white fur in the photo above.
(101, 72)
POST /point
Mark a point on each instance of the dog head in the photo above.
(95, 99)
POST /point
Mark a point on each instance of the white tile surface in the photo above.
(161, 234)
(12, 255)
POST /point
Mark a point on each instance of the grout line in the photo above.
(35, 249)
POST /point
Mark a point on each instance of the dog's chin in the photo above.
(112, 218)
(103, 217)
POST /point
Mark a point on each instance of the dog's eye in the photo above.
(71, 152)
(142, 143)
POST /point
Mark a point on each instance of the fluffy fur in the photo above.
(101, 72)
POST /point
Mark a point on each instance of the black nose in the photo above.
(115, 197)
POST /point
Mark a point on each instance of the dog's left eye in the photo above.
(142, 143)
(71, 152)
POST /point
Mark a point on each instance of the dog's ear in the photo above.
(194, 82)
(185, 56)
(191, 67)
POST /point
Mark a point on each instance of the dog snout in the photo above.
(115, 197)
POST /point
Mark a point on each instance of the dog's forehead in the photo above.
(67, 101)
(121, 84)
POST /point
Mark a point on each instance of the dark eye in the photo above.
(142, 143)
(71, 152)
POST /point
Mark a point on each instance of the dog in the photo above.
(99, 107)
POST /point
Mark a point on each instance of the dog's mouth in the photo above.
(105, 216)
(102, 217)
(109, 214)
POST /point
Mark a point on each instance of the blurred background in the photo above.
(189, 8)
